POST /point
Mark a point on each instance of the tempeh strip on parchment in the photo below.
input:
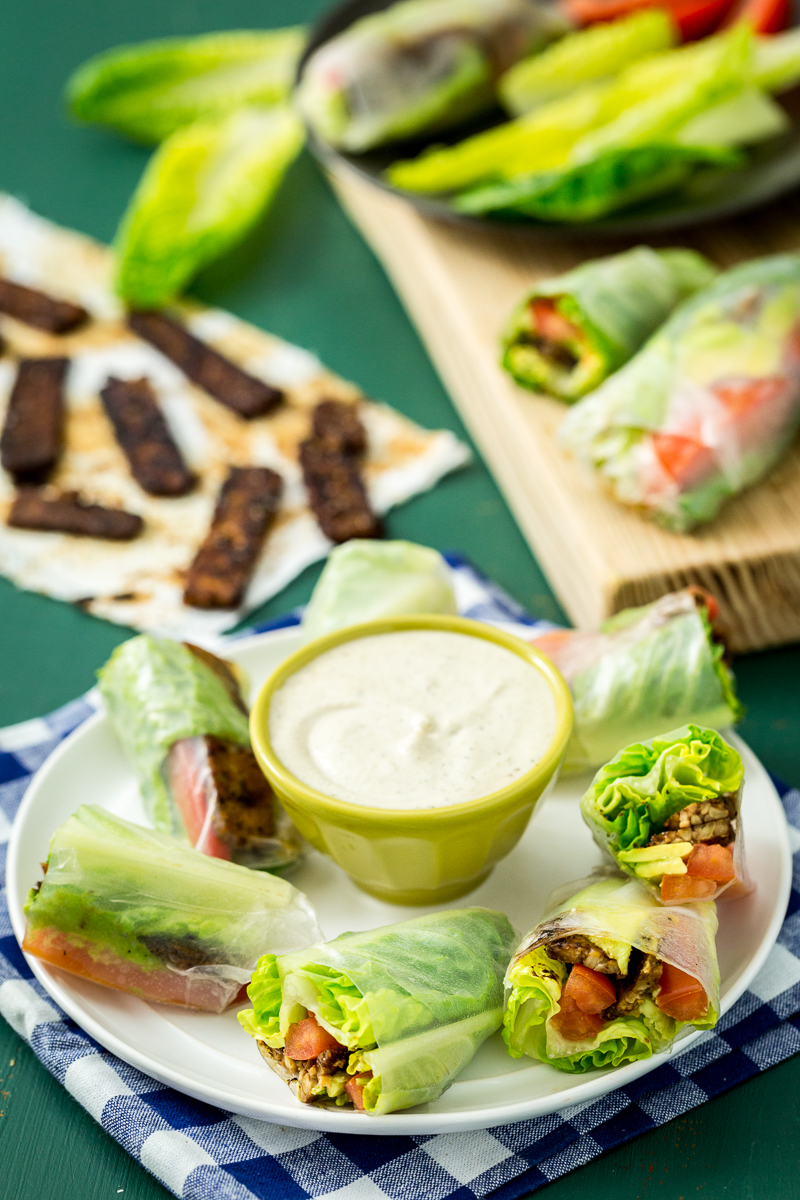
(338, 424)
(332, 473)
(221, 570)
(68, 513)
(155, 461)
(33, 433)
(210, 370)
(37, 308)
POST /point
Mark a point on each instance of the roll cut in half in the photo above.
(610, 977)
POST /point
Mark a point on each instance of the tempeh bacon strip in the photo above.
(156, 462)
(221, 570)
(210, 370)
(33, 432)
(68, 513)
(40, 310)
(332, 473)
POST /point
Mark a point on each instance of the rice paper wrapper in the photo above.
(618, 914)
(708, 406)
(633, 795)
(134, 909)
(425, 994)
(645, 670)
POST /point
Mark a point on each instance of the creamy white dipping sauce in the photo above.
(414, 719)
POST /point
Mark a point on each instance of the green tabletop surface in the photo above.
(307, 275)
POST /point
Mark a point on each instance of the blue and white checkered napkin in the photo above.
(200, 1152)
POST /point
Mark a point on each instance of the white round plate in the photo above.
(210, 1058)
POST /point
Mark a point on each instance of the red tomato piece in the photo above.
(711, 862)
(740, 395)
(551, 324)
(574, 1025)
(681, 996)
(681, 457)
(355, 1089)
(590, 991)
(694, 18)
(686, 887)
(765, 16)
(705, 600)
(551, 642)
(306, 1039)
(187, 777)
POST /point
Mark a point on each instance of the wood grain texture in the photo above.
(459, 284)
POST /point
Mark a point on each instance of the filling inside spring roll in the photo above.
(553, 351)
(385, 1019)
(611, 978)
(668, 812)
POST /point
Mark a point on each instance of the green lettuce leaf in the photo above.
(416, 999)
(365, 580)
(201, 192)
(149, 90)
(632, 796)
(157, 692)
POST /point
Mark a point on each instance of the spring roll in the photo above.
(385, 1019)
(667, 811)
(611, 977)
(569, 333)
(366, 580)
(182, 722)
(644, 670)
(708, 406)
(135, 910)
(418, 67)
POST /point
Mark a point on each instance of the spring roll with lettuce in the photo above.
(611, 977)
(135, 910)
(386, 1019)
(181, 719)
(667, 811)
(570, 333)
(365, 580)
(708, 406)
(418, 67)
(644, 670)
(150, 89)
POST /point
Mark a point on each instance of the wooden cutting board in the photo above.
(459, 284)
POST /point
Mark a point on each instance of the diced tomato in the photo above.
(551, 642)
(187, 776)
(681, 457)
(590, 991)
(574, 1025)
(705, 600)
(161, 984)
(765, 16)
(694, 18)
(306, 1039)
(741, 395)
(711, 862)
(686, 887)
(551, 324)
(355, 1089)
(680, 995)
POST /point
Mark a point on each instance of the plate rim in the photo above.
(409, 1123)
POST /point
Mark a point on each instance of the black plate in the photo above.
(772, 170)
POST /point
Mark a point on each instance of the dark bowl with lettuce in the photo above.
(694, 183)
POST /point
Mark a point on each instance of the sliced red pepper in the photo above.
(307, 1039)
(574, 1025)
(355, 1089)
(765, 16)
(590, 991)
(686, 887)
(711, 862)
(680, 995)
(694, 18)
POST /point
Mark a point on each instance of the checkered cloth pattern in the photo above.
(202, 1153)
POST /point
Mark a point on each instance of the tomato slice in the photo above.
(306, 1039)
(681, 457)
(680, 995)
(551, 642)
(686, 887)
(355, 1089)
(694, 18)
(741, 395)
(551, 324)
(590, 991)
(574, 1025)
(187, 775)
(765, 16)
(711, 862)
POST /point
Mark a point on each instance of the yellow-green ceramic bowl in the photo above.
(418, 856)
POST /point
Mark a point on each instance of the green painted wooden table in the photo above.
(308, 276)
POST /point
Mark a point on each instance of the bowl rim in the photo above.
(303, 793)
